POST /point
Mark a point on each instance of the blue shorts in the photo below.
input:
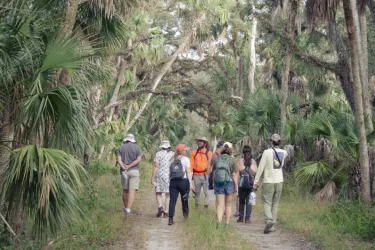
(227, 189)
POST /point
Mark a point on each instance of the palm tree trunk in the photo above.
(6, 138)
(252, 35)
(238, 78)
(351, 17)
(163, 70)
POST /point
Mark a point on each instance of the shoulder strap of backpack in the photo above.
(277, 156)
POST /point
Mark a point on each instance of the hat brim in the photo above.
(201, 139)
(129, 139)
(185, 149)
(165, 146)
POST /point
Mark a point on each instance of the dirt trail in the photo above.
(157, 235)
(281, 239)
(155, 232)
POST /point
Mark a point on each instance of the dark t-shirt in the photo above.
(129, 152)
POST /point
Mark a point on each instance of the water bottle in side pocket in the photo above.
(252, 199)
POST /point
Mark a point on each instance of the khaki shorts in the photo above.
(130, 180)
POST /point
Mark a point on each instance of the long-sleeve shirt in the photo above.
(270, 165)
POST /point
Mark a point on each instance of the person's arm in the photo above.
(189, 174)
(119, 161)
(209, 166)
(260, 169)
(235, 175)
(154, 169)
(238, 170)
(134, 163)
(254, 166)
(192, 161)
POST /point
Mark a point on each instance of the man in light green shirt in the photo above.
(272, 165)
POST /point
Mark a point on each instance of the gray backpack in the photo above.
(222, 171)
(176, 170)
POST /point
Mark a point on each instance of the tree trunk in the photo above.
(6, 138)
(363, 65)
(351, 17)
(284, 87)
(238, 78)
(240, 92)
(70, 19)
(286, 65)
(128, 115)
(120, 83)
(252, 35)
(163, 70)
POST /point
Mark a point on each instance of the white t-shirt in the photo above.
(185, 161)
(273, 169)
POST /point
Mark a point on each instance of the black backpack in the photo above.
(176, 170)
(246, 182)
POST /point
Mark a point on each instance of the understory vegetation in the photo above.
(77, 76)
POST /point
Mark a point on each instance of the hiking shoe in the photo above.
(240, 219)
(247, 220)
(273, 228)
(267, 228)
(186, 216)
(205, 206)
(236, 214)
(165, 215)
(160, 211)
(170, 221)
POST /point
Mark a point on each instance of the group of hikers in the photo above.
(174, 174)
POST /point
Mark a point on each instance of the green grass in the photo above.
(201, 226)
(338, 225)
(105, 224)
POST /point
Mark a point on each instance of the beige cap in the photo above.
(202, 139)
(275, 138)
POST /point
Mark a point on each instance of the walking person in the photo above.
(225, 182)
(180, 181)
(160, 177)
(199, 166)
(272, 165)
(247, 168)
(129, 156)
(217, 152)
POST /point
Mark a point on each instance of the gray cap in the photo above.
(275, 138)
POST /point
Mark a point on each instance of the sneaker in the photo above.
(236, 214)
(186, 216)
(268, 227)
(247, 220)
(240, 219)
(126, 212)
(273, 228)
(160, 211)
(170, 221)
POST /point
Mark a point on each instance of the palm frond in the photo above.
(47, 183)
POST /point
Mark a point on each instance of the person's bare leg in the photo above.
(220, 207)
(159, 199)
(131, 197)
(228, 208)
(125, 196)
(167, 199)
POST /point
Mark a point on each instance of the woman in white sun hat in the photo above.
(160, 177)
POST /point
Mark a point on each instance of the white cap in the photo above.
(129, 137)
(165, 144)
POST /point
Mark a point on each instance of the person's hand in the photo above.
(123, 167)
(192, 188)
(152, 181)
(255, 186)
